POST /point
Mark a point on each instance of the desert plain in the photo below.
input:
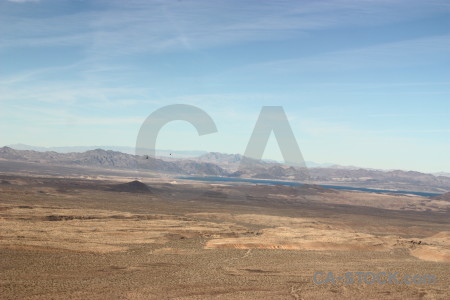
(112, 237)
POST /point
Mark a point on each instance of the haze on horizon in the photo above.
(363, 83)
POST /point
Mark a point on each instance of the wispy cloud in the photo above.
(22, 1)
(403, 115)
(141, 26)
(386, 55)
(55, 116)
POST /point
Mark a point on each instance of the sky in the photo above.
(362, 82)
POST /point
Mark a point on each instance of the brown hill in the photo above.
(445, 197)
(131, 187)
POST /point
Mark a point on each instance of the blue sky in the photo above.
(363, 83)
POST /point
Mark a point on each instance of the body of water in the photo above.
(291, 183)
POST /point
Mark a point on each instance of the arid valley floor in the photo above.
(107, 238)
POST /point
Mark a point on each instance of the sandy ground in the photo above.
(81, 239)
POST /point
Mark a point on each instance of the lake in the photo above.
(292, 183)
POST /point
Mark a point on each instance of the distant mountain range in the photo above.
(160, 153)
(219, 164)
(109, 159)
(123, 149)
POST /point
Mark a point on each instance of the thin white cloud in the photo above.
(402, 115)
(127, 27)
(23, 1)
(386, 55)
(51, 116)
